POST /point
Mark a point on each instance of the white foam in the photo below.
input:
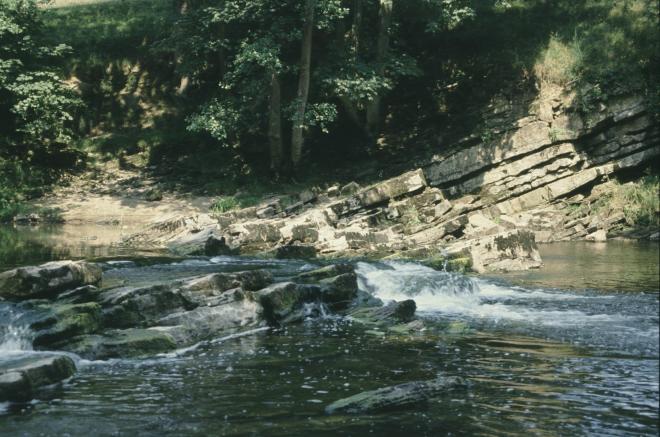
(437, 293)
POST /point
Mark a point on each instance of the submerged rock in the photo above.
(127, 343)
(410, 394)
(47, 279)
(21, 376)
(393, 312)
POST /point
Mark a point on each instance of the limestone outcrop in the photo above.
(489, 198)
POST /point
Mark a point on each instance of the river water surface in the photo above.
(571, 349)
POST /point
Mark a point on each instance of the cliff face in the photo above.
(488, 199)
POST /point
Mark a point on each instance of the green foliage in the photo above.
(35, 106)
(559, 63)
(641, 202)
(228, 203)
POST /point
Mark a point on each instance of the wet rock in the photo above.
(20, 377)
(393, 312)
(295, 251)
(57, 322)
(339, 291)
(126, 343)
(199, 289)
(234, 311)
(86, 293)
(325, 272)
(402, 396)
(129, 307)
(47, 279)
(281, 301)
(215, 246)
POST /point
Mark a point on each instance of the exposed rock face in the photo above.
(541, 158)
(47, 279)
(397, 397)
(21, 376)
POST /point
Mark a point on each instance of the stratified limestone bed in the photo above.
(521, 186)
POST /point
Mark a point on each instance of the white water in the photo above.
(437, 292)
(13, 337)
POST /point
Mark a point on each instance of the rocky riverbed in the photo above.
(236, 345)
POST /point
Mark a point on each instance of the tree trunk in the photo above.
(382, 46)
(275, 126)
(355, 31)
(303, 85)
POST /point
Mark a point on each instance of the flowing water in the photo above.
(571, 349)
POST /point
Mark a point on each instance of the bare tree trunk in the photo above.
(382, 46)
(275, 126)
(303, 84)
(355, 31)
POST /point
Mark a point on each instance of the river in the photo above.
(570, 349)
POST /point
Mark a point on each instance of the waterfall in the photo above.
(431, 289)
(14, 337)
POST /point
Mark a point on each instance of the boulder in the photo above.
(598, 236)
(339, 291)
(127, 343)
(214, 246)
(408, 395)
(281, 302)
(324, 272)
(47, 279)
(56, 322)
(86, 293)
(21, 376)
(199, 290)
(129, 307)
(234, 311)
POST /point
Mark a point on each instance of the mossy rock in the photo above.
(21, 376)
(59, 322)
(127, 343)
(324, 273)
(450, 264)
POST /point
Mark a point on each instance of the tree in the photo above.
(35, 106)
(303, 84)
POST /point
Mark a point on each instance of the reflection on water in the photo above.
(26, 245)
(614, 265)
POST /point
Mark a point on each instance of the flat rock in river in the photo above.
(22, 375)
(47, 279)
(395, 397)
